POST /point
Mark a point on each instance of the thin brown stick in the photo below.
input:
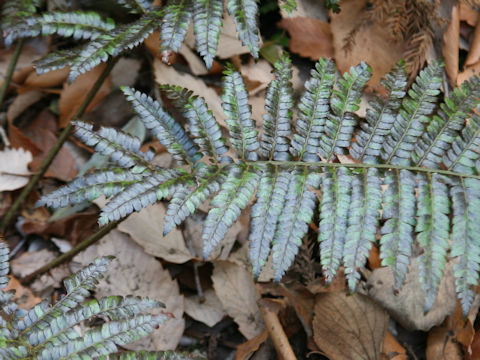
(275, 329)
(70, 254)
(10, 70)
(55, 149)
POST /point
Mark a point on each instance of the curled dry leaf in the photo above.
(209, 312)
(73, 95)
(14, 172)
(468, 13)
(46, 80)
(134, 272)
(451, 38)
(22, 102)
(309, 37)
(146, 228)
(235, 288)
(407, 307)
(349, 327)
(392, 348)
(474, 53)
(246, 350)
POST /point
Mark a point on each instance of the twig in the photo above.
(10, 70)
(70, 254)
(56, 148)
(275, 329)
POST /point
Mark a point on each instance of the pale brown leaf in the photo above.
(248, 348)
(349, 327)
(14, 173)
(451, 38)
(146, 228)
(47, 80)
(209, 312)
(235, 288)
(441, 345)
(474, 53)
(309, 37)
(24, 297)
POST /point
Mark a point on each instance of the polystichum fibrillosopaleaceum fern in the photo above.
(415, 175)
(56, 333)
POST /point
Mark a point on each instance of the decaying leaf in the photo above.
(24, 297)
(14, 173)
(309, 37)
(209, 312)
(442, 345)
(146, 228)
(73, 95)
(392, 348)
(248, 348)
(134, 272)
(349, 327)
(235, 288)
(451, 38)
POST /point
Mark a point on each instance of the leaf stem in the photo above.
(70, 254)
(56, 147)
(10, 70)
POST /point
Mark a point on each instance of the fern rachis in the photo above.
(283, 181)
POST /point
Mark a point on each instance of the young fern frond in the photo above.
(283, 177)
(245, 14)
(135, 6)
(51, 332)
(14, 12)
(175, 24)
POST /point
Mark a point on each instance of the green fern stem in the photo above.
(56, 148)
(10, 70)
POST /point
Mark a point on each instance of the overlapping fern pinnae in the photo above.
(415, 181)
(51, 332)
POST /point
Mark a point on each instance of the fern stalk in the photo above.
(10, 70)
(56, 148)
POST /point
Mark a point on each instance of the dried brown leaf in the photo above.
(474, 53)
(441, 345)
(468, 14)
(309, 37)
(349, 327)
(146, 228)
(451, 38)
(235, 288)
(47, 80)
(248, 348)
(392, 348)
(468, 72)
(209, 312)
(24, 297)
(14, 173)
(73, 95)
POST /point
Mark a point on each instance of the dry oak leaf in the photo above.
(349, 327)
(14, 171)
(373, 44)
(235, 288)
(451, 39)
(309, 37)
(73, 95)
(145, 228)
(135, 273)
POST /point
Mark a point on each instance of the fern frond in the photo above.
(185, 201)
(121, 38)
(137, 196)
(245, 14)
(103, 340)
(78, 288)
(338, 129)
(207, 21)
(380, 117)
(178, 14)
(4, 268)
(151, 355)
(163, 126)
(399, 215)
(363, 218)
(14, 12)
(106, 182)
(76, 24)
(433, 232)
(234, 196)
(334, 205)
(265, 213)
(314, 109)
(445, 126)
(56, 60)
(135, 6)
(293, 221)
(409, 124)
(203, 126)
(279, 106)
(466, 247)
(241, 127)
(122, 148)
(465, 149)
